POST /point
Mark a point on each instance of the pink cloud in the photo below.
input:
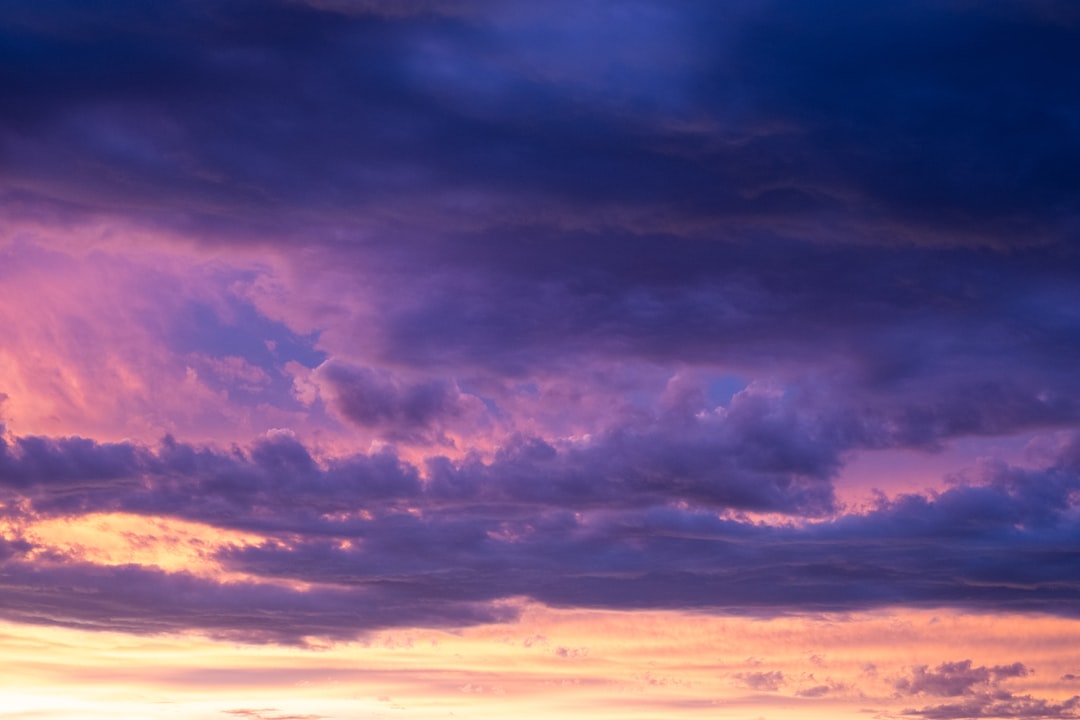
(91, 348)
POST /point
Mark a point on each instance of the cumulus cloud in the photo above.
(372, 528)
(64, 463)
(764, 452)
(957, 678)
(978, 693)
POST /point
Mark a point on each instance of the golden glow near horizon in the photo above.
(550, 664)
(125, 539)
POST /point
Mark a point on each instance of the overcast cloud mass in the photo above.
(451, 307)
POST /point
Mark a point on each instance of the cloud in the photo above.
(957, 678)
(669, 558)
(503, 192)
(518, 244)
(769, 681)
(763, 452)
(372, 526)
(395, 409)
(111, 344)
(980, 692)
(888, 93)
(730, 120)
(66, 463)
(390, 8)
(1005, 706)
(147, 601)
(268, 714)
(814, 692)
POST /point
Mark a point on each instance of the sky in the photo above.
(613, 360)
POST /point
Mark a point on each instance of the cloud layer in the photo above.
(462, 306)
(573, 527)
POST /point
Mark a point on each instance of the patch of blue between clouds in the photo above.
(721, 389)
(243, 332)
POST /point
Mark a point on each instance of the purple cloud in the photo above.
(1007, 706)
(546, 108)
(499, 230)
(957, 678)
(65, 461)
(979, 693)
(148, 601)
(398, 410)
(768, 681)
(602, 527)
(446, 558)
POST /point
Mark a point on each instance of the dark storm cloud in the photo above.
(953, 116)
(766, 185)
(927, 118)
(937, 344)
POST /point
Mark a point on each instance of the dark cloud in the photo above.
(930, 120)
(604, 526)
(946, 551)
(814, 692)
(771, 187)
(145, 600)
(278, 481)
(862, 210)
(12, 548)
(920, 346)
(398, 410)
(66, 463)
(770, 681)
(764, 452)
(979, 693)
(1007, 706)
(956, 678)
(941, 111)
